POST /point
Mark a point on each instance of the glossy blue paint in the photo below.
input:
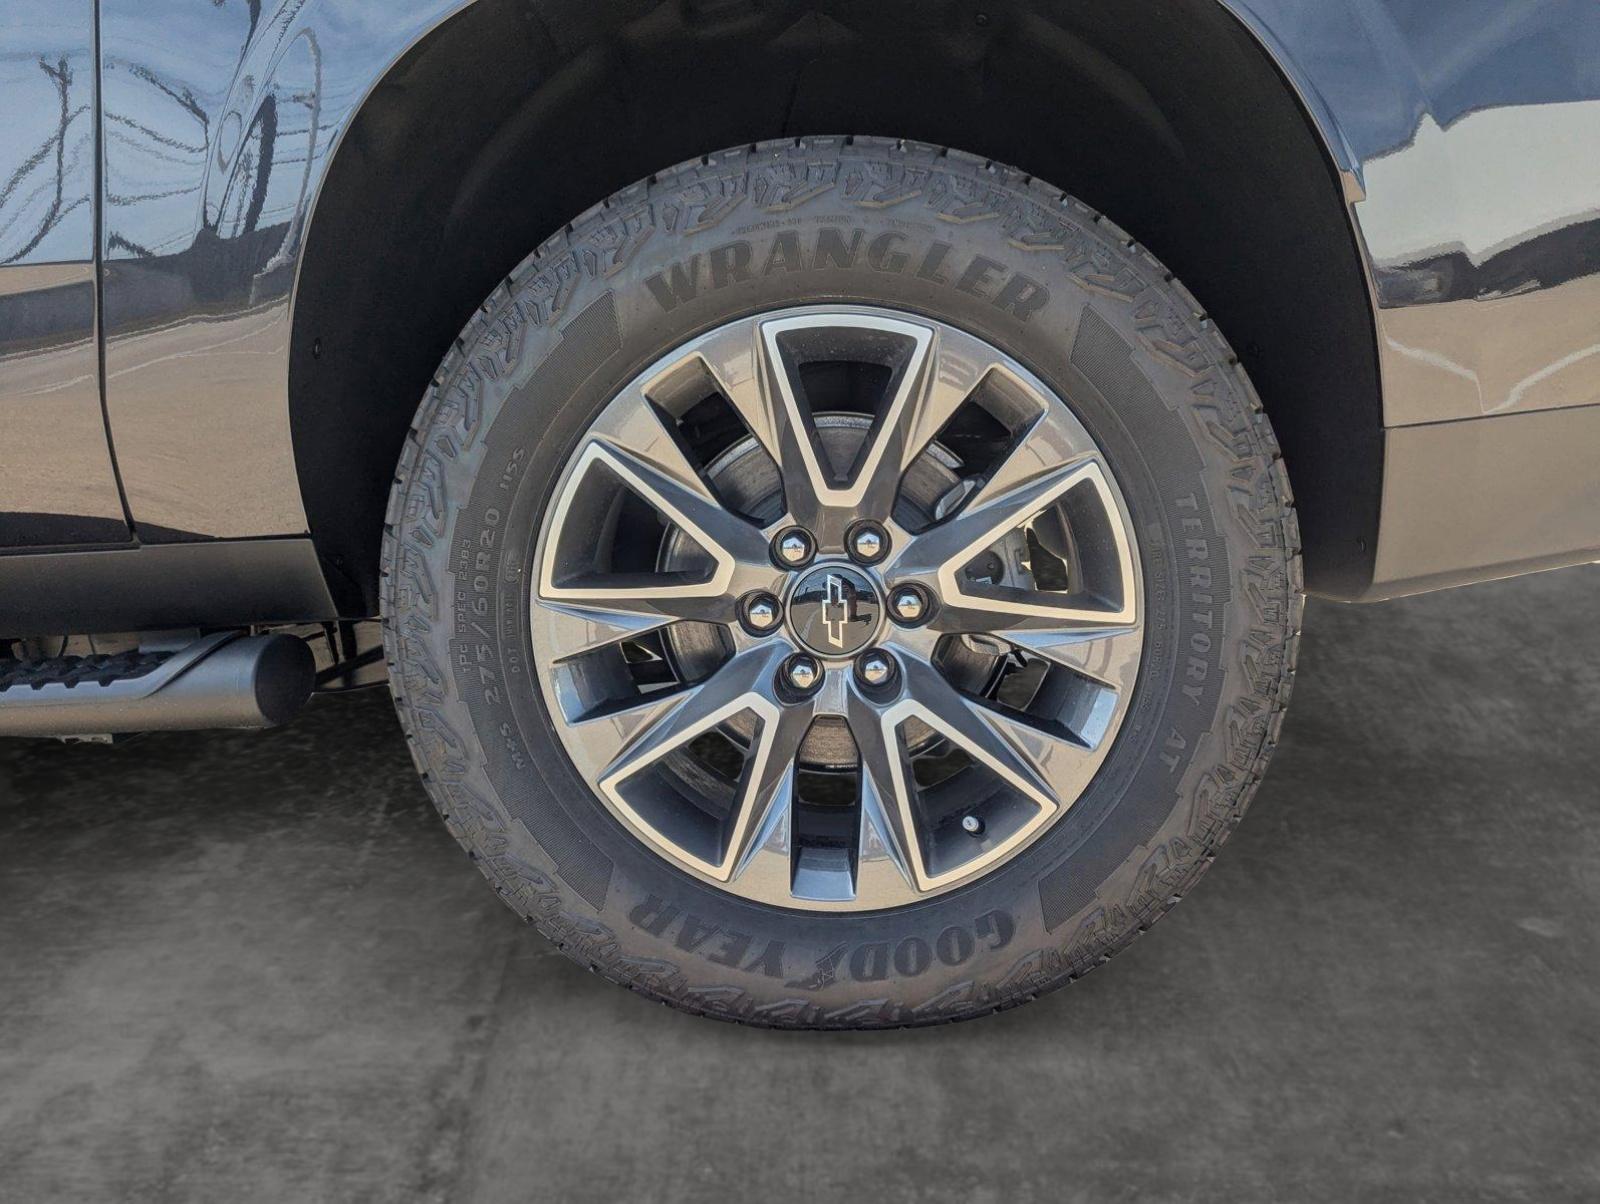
(47, 136)
(221, 121)
(57, 483)
(1470, 136)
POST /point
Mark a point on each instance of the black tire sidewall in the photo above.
(1172, 416)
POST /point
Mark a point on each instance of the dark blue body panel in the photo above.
(1466, 135)
(57, 482)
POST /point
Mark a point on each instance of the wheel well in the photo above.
(512, 117)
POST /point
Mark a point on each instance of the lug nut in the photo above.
(868, 543)
(803, 672)
(908, 604)
(793, 547)
(875, 667)
(761, 613)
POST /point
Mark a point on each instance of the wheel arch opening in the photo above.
(510, 118)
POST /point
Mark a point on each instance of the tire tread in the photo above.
(1263, 453)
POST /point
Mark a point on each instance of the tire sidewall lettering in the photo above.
(975, 278)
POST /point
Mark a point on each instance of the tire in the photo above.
(1103, 324)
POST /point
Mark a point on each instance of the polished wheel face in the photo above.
(837, 608)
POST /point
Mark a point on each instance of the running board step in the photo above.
(227, 679)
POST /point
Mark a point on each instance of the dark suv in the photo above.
(831, 487)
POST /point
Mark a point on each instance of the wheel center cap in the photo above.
(835, 610)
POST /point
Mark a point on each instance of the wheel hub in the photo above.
(858, 754)
(835, 610)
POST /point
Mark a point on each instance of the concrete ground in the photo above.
(249, 968)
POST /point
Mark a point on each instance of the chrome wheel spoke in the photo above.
(655, 727)
(872, 484)
(805, 485)
(578, 629)
(585, 619)
(1035, 763)
(1109, 655)
(986, 517)
(632, 733)
(1053, 756)
(887, 831)
(761, 380)
(735, 359)
(760, 845)
(739, 685)
(690, 505)
(950, 377)
(938, 558)
(645, 458)
(978, 728)
(1052, 624)
(884, 876)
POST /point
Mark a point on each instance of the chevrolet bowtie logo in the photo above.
(838, 608)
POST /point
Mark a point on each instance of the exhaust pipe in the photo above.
(223, 680)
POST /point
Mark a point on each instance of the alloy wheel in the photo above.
(837, 608)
